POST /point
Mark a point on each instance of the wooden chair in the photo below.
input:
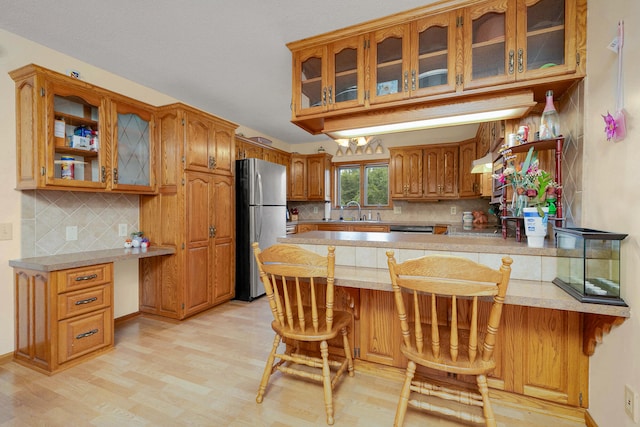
(286, 270)
(457, 342)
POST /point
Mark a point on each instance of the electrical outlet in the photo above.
(72, 232)
(6, 231)
(122, 230)
(397, 210)
(315, 209)
(453, 210)
(631, 403)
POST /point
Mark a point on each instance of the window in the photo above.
(365, 183)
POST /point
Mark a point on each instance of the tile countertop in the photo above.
(424, 241)
(83, 259)
(533, 293)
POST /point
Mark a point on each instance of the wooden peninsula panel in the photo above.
(543, 344)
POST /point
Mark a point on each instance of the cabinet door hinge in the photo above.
(580, 398)
(459, 21)
(459, 79)
(41, 91)
(578, 58)
(366, 95)
(43, 171)
(182, 122)
(367, 44)
(182, 246)
(183, 181)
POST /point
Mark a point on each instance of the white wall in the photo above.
(612, 196)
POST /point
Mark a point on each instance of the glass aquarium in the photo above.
(589, 264)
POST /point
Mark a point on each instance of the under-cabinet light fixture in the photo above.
(483, 164)
(499, 107)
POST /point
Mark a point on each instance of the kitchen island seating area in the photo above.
(441, 333)
(293, 277)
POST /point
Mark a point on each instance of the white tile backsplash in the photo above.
(46, 215)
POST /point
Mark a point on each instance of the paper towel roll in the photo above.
(327, 210)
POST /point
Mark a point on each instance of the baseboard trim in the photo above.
(588, 420)
(126, 318)
(6, 358)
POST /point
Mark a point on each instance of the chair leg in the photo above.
(268, 369)
(347, 351)
(326, 381)
(404, 395)
(489, 417)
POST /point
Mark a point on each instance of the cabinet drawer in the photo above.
(84, 277)
(84, 334)
(83, 301)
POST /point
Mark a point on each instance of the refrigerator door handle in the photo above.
(258, 225)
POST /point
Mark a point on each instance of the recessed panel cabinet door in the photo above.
(223, 238)
(198, 212)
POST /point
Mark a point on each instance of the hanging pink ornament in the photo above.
(610, 126)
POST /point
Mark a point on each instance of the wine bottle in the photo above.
(550, 120)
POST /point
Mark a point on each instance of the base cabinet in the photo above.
(193, 212)
(63, 317)
(539, 351)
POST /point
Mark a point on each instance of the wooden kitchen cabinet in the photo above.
(440, 171)
(309, 177)
(329, 77)
(539, 351)
(508, 41)
(469, 183)
(63, 317)
(405, 172)
(193, 212)
(209, 143)
(249, 149)
(413, 59)
(435, 54)
(117, 153)
(297, 179)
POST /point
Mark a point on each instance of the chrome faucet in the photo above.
(354, 203)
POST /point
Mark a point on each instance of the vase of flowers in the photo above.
(533, 189)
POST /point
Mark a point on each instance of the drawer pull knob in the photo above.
(86, 301)
(89, 277)
(87, 334)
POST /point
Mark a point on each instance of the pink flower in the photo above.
(610, 126)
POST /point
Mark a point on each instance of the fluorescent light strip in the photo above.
(432, 123)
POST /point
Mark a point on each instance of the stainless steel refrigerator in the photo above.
(261, 216)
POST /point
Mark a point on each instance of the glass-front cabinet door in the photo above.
(548, 46)
(132, 159)
(489, 44)
(346, 73)
(309, 88)
(433, 68)
(74, 155)
(389, 64)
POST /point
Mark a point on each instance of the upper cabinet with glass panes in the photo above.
(329, 77)
(439, 53)
(75, 136)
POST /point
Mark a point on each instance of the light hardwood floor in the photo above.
(205, 371)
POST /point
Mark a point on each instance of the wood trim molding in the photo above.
(125, 318)
(595, 326)
(588, 420)
(6, 358)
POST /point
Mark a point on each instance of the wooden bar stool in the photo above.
(293, 278)
(436, 300)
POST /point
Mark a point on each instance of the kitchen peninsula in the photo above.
(546, 338)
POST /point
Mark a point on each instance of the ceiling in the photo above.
(225, 57)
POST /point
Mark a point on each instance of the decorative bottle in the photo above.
(550, 120)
